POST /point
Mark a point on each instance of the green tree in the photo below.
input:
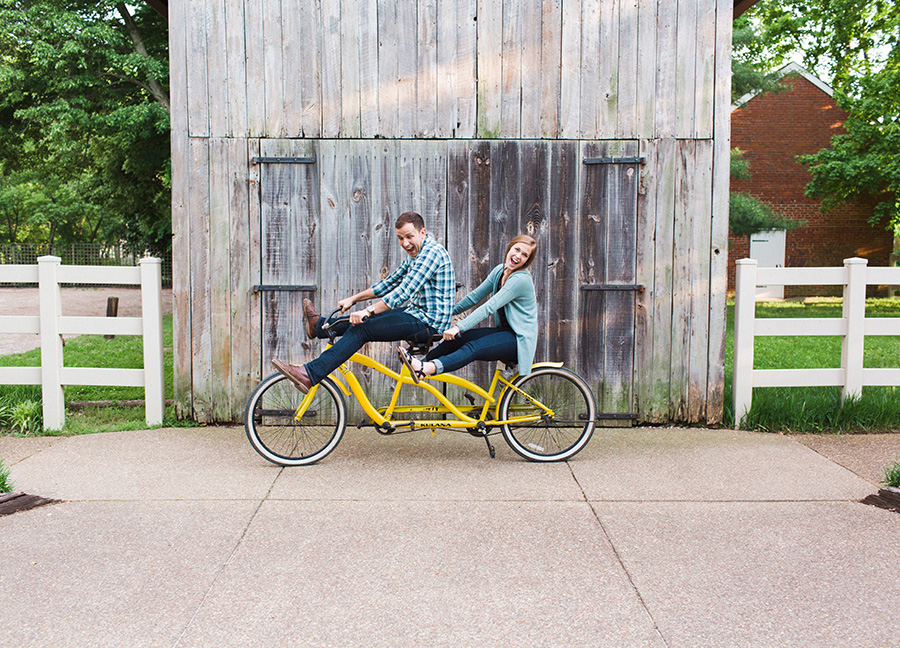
(751, 67)
(747, 215)
(855, 46)
(865, 161)
(84, 145)
(839, 40)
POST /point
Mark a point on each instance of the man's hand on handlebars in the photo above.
(358, 317)
(451, 332)
(346, 303)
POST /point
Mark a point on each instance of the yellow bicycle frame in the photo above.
(345, 379)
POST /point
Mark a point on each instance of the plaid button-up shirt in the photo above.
(427, 282)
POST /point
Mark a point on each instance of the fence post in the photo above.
(744, 316)
(854, 313)
(54, 404)
(151, 317)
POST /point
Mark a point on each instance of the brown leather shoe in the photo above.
(295, 373)
(311, 317)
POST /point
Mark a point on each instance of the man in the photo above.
(425, 279)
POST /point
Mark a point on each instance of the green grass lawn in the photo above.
(813, 409)
(123, 351)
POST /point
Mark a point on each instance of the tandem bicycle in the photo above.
(546, 415)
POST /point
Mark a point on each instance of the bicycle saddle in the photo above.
(417, 347)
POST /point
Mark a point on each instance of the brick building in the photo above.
(772, 130)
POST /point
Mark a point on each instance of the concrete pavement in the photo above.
(665, 538)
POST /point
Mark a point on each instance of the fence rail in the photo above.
(83, 254)
(50, 324)
(852, 327)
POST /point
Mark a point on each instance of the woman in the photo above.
(514, 306)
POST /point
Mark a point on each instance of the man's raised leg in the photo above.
(389, 326)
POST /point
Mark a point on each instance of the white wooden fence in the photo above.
(853, 327)
(51, 325)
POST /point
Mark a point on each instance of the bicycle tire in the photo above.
(277, 437)
(549, 439)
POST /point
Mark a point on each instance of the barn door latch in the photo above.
(282, 160)
(613, 287)
(283, 288)
(613, 160)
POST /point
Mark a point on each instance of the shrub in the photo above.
(6, 418)
(892, 475)
(5, 485)
(27, 416)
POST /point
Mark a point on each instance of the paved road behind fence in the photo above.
(75, 302)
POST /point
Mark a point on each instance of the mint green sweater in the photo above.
(517, 295)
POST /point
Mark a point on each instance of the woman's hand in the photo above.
(451, 332)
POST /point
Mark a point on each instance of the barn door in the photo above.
(327, 232)
(289, 245)
(327, 217)
(498, 189)
(607, 239)
(364, 186)
(579, 200)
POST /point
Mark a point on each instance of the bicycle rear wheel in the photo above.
(273, 432)
(556, 436)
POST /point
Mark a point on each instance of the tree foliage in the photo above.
(839, 40)
(750, 62)
(747, 215)
(84, 144)
(855, 46)
(864, 162)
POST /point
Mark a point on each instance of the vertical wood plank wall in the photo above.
(553, 69)
(651, 71)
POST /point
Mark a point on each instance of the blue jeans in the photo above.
(389, 326)
(475, 344)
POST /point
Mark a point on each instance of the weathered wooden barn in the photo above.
(302, 128)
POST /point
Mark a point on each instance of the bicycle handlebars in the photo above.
(331, 321)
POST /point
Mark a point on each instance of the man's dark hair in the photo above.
(410, 217)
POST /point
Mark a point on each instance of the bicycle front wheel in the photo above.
(567, 411)
(272, 430)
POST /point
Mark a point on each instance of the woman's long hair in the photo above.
(527, 240)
